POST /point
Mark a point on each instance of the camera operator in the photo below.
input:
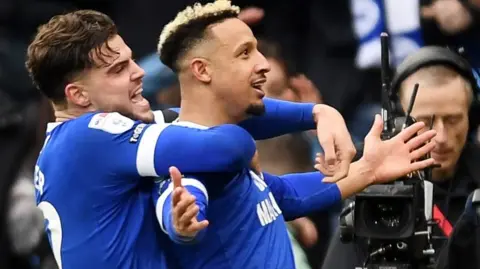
(448, 94)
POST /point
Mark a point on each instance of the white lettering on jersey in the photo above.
(113, 123)
(259, 182)
(39, 179)
(268, 210)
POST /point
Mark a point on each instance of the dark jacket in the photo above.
(450, 196)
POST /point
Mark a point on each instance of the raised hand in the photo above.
(398, 156)
(184, 210)
(336, 142)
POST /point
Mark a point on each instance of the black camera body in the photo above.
(388, 221)
(391, 223)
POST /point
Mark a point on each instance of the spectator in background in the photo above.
(335, 43)
(443, 92)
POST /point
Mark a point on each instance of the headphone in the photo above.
(435, 55)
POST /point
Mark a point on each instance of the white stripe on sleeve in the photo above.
(163, 197)
(159, 117)
(146, 150)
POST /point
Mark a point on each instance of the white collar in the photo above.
(189, 124)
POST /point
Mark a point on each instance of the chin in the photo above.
(257, 109)
(146, 117)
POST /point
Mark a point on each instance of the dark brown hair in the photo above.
(67, 45)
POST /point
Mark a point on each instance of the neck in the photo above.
(65, 114)
(205, 109)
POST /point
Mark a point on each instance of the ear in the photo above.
(201, 69)
(77, 95)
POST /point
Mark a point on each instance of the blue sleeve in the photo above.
(225, 148)
(163, 208)
(132, 148)
(300, 194)
(281, 117)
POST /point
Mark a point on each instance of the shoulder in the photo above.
(94, 128)
(113, 123)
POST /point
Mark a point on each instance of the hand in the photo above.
(305, 231)
(336, 142)
(451, 16)
(397, 157)
(251, 15)
(184, 208)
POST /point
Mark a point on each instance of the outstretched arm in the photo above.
(283, 117)
(382, 161)
(280, 117)
(148, 150)
(299, 194)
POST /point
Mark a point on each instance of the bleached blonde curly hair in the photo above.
(185, 21)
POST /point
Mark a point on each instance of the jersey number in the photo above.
(54, 225)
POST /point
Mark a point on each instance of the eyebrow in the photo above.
(121, 62)
(244, 44)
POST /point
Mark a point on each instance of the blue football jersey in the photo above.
(93, 181)
(246, 226)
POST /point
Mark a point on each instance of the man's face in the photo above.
(238, 67)
(449, 103)
(277, 83)
(117, 86)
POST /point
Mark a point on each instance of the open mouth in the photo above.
(258, 85)
(138, 99)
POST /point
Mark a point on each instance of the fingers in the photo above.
(343, 171)
(410, 131)
(177, 193)
(421, 139)
(185, 200)
(328, 147)
(176, 177)
(421, 152)
(421, 164)
(189, 214)
(196, 226)
(377, 127)
(185, 215)
(322, 166)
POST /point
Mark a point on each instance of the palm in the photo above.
(397, 157)
(391, 159)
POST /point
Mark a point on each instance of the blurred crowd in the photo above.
(320, 51)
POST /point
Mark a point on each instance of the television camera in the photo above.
(391, 224)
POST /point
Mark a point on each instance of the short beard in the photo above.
(256, 110)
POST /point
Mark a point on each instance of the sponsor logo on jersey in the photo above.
(113, 123)
(136, 133)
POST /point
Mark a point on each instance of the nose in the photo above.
(441, 137)
(137, 72)
(263, 66)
